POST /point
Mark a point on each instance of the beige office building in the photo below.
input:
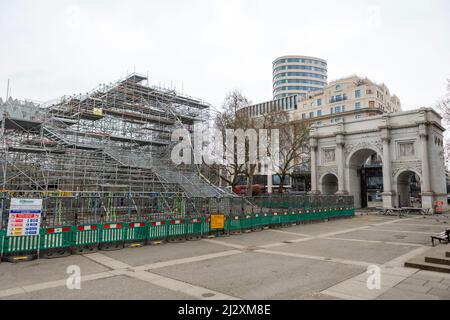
(348, 99)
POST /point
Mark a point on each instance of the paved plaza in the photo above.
(327, 260)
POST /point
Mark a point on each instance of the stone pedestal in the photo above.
(388, 199)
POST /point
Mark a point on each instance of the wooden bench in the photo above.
(443, 236)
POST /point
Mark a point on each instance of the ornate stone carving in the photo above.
(377, 145)
(326, 169)
(415, 166)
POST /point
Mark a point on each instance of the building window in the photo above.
(331, 110)
(311, 115)
(358, 94)
(343, 108)
(319, 123)
(319, 113)
(358, 105)
(338, 87)
(338, 109)
(303, 116)
(358, 116)
(319, 102)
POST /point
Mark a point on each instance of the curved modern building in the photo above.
(298, 75)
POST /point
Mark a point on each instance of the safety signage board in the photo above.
(217, 221)
(24, 217)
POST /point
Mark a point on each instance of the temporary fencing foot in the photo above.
(111, 246)
(224, 233)
(21, 258)
(156, 242)
(134, 244)
(257, 229)
(53, 254)
(86, 249)
(236, 232)
(176, 239)
(193, 237)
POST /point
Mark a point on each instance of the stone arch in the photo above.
(328, 183)
(353, 151)
(402, 186)
(355, 160)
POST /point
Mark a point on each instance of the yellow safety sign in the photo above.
(217, 221)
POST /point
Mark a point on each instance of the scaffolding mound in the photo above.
(116, 138)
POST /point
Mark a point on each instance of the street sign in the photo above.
(217, 221)
(24, 217)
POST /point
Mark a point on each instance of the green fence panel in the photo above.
(176, 228)
(235, 223)
(276, 218)
(21, 244)
(257, 220)
(194, 226)
(56, 238)
(157, 230)
(302, 216)
(85, 235)
(265, 219)
(350, 212)
(112, 232)
(2, 242)
(285, 217)
(206, 225)
(293, 216)
(247, 221)
(135, 231)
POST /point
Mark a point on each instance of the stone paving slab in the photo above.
(169, 251)
(115, 288)
(428, 229)
(376, 253)
(26, 273)
(400, 237)
(258, 238)
(262, 276)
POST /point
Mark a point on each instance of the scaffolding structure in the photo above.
(115, 139)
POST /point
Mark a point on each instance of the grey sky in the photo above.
(53, 48)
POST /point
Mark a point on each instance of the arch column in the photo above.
(427, 194)
(314, 182)
(388, 194)
(340, 161)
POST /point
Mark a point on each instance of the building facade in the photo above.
(298, 75)
(348, 99)
(409, 144)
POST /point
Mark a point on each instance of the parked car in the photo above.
(242, 189)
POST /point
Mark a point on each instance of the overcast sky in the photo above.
(206, 48)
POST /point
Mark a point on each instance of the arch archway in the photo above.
(329, 184)
(408, 188)
(358, 163)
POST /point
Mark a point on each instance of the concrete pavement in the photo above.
(325, 260)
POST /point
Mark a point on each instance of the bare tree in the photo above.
(444, 107)
(232, 118)
(293, 142)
